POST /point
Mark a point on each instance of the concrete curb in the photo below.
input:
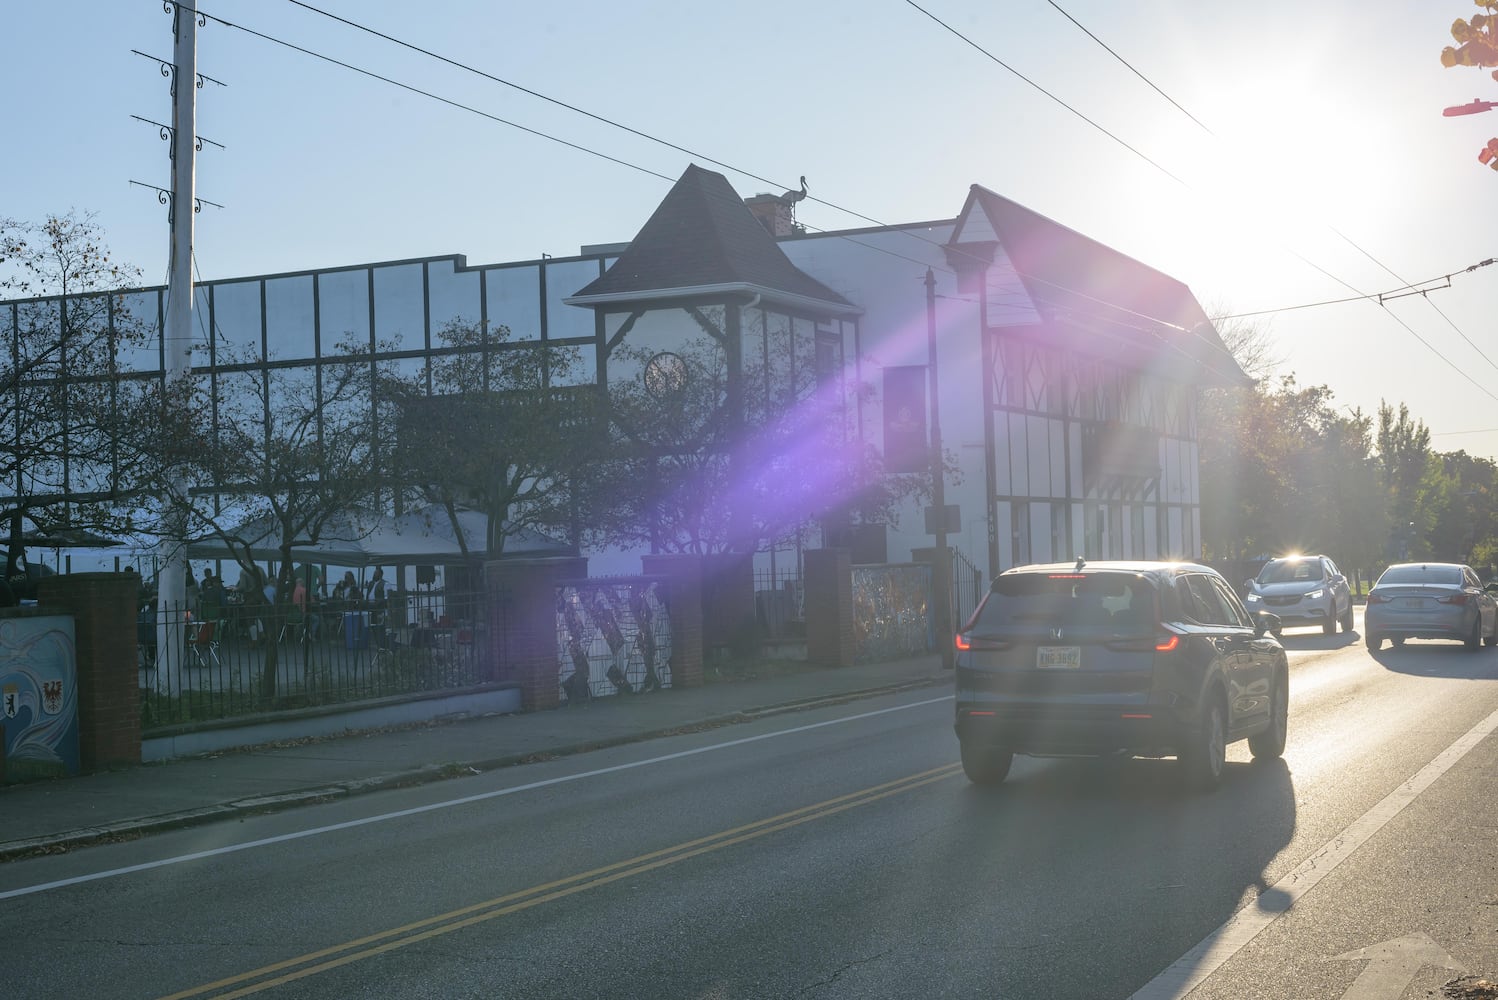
(134, 829)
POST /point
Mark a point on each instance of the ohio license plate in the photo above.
(1059, 657)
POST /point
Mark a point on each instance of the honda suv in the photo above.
(1117, 659)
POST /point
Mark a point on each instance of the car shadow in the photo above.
(1308, 639)
(1439, 658)
(1131, 841)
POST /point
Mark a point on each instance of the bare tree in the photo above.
(68, 457)
(504, 430)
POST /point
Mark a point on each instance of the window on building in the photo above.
(1019, 518)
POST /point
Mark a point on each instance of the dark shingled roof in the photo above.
(702, 236)
(1071, 277)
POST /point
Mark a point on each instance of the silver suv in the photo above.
(1302, 590)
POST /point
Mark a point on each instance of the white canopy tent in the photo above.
(360, 538)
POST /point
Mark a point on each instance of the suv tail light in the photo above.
(1163, 643)
(963, 641)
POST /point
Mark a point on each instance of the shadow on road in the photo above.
(1313, 640)
(1439, 658)
(1081, 845)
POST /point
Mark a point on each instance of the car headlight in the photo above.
(1253, 598)
(1316, 595)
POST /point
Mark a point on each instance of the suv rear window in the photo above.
(1111, 604)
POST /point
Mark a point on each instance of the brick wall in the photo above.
(522, 597)
(828, 576)
(103, 610)
(684, 588)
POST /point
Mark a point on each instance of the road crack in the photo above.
(837, 973)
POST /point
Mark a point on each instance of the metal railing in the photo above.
(212, 663)
(780, 603)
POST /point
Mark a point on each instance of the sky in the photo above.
(1311, 161)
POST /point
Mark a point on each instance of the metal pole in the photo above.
(177, 335)
(941, 569)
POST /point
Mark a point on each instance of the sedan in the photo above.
(1430, 601)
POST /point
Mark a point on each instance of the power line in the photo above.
(1121, 59)
(1114, 308)
(1345, 238)
(1047, 93)
(748, 173)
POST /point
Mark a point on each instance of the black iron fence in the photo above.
(967, 588)
(780, 603)
(201, 664)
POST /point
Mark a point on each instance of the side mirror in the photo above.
(1266, 621)
(1248, 585)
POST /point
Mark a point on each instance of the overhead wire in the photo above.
(1347, 239)
(1113, 307)
(1210, 343)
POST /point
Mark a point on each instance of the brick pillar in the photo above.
(522, 595)
(103, 610)
(683, 575)
(829, 607)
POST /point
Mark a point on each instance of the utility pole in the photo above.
(177, 335)
(941, 566)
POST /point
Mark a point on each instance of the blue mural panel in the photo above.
(39, 697)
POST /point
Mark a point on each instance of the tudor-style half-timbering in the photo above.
(1092, 363)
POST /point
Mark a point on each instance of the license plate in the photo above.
(1411, 602)
(1059, 657)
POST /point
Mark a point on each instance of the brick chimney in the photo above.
(773, 212)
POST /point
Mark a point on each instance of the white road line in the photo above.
(450, 803)
(1192, 969)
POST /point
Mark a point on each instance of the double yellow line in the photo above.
(326, 959)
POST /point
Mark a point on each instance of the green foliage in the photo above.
(506, 429)
(1286, 469)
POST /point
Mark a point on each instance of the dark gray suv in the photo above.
(1118, 659)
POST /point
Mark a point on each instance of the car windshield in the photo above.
(1421, 573)
(1096, 603)
(1291, 571)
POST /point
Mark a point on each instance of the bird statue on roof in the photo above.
(791, 197)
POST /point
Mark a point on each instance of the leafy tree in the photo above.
(505, 430)
(1411, 476)
(1477, 39)
(291, 446)
(1477, 45)
(66, 454)
(707, 463)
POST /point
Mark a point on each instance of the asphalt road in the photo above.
(837, 853)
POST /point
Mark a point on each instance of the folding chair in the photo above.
(202, 643)
(295, 623)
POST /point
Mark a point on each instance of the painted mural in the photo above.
(39, 697)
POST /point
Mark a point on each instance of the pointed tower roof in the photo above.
(1073, 280)
(703, 241)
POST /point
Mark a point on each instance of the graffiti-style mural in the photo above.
(39, 697)
(613, 637)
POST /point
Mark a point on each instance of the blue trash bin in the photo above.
(356, 629)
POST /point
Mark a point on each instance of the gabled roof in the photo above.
(1076, 281)
(703, 241)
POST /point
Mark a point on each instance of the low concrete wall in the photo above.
(187, 744)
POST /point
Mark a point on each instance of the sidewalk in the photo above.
(57, 815)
